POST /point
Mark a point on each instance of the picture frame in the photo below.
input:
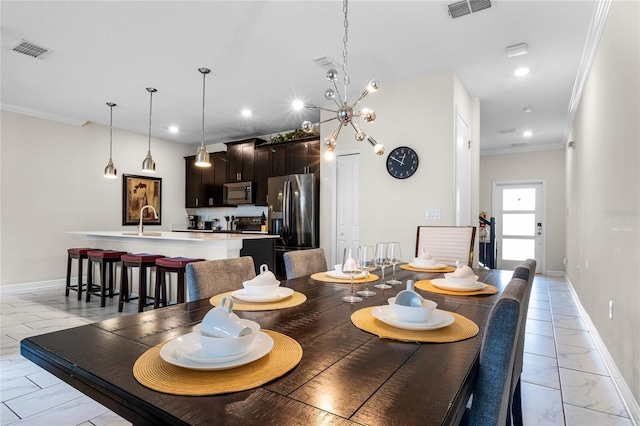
(138, 191)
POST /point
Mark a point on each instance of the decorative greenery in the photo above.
(291, 136)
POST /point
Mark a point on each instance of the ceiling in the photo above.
(261, 55)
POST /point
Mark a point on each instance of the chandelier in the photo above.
(345, 112)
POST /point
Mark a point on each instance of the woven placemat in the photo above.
(426, 285)
(462, 328)
(322, 276)
(157, 374)
(411, 268)
(240, 305)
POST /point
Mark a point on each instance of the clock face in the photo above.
(402, 162)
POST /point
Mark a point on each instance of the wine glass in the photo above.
(366, 262)
(394, 256)
(382, 261)
(350, 267)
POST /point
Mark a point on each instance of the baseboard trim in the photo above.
(13, 288)
(628, 400)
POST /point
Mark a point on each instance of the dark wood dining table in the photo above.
(346, 375)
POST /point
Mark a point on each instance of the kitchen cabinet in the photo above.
(240, 160)
(304, 157)
(203, 185)
(270, 160)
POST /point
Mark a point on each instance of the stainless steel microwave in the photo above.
(239, 193)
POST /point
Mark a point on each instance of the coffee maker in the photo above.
(193, 221)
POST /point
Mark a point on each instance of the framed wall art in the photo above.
(137, 192)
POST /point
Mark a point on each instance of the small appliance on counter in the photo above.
(248, 224)
(193, 221)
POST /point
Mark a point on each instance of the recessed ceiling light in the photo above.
(520, 72)
(527, 133)
(246, 112)
(174, 129)
(298, 105)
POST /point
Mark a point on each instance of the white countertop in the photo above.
(176, 236)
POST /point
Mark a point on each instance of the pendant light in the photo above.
(345, 112)
(148, 165)
(110, 171)
(202, 157)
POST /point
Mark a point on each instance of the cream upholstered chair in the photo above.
(447, 243)
(304, 262)
(525, 271)
(211, 277)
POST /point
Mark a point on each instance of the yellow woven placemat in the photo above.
(240, 305)
(157, 374)
(428, 286)
(411, 268)
(322, 276)
(462, 328)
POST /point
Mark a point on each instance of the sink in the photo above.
(144, 234)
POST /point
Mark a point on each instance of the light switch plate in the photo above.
(433, 214)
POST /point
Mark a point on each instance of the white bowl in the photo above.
(261, 289)
(413, 313)
(227, 346)
(423, 263)
(462, 282)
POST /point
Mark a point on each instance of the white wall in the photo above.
(603, 192)
(52, 183)
(419, 113)
(543, 165)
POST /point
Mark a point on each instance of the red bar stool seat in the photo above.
(81, 255)
(168, 265)
(143, 261)
(107, 260)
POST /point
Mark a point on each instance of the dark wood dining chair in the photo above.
(447, 243)
(490, 402)
(525, 271)
(304, 262)
(211, 277)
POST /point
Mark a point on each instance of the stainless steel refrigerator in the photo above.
(293, 214)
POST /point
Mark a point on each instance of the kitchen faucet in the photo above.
(155, 216)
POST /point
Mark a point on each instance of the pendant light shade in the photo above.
(110, 171)
(202, 157)
(148, 165)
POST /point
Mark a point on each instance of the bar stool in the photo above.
(143, 261)
(81, 255)
(107, 259)
(168, 265)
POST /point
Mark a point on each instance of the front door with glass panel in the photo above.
(519, 211)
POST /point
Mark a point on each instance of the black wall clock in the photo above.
(402, 162)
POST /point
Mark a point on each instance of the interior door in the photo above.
(519, 209)
(347, 203)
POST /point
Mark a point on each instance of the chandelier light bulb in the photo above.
(368, 115)
(307, 126)
(332, 75)
(374, 85)
(329, 94)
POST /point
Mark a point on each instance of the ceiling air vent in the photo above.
(326, 62)
(465, 7)
(30, 49)
(505, 131)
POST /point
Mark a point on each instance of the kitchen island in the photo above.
(204, 245)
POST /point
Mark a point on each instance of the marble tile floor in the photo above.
(564, 380)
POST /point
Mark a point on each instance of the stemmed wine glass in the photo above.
(366, 262)
(394, 256)
(351, 268)
(382, 261)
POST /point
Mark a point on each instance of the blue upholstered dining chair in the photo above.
(299, 263)
(211, 277)
(525, 271)
(490, 402)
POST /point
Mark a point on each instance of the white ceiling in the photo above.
(261, 52)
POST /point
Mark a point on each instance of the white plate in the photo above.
(188, 348)
(439, 319)
(281, 293)
(339, 274)
(436, 266)
(261, 347)
(446, 285)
